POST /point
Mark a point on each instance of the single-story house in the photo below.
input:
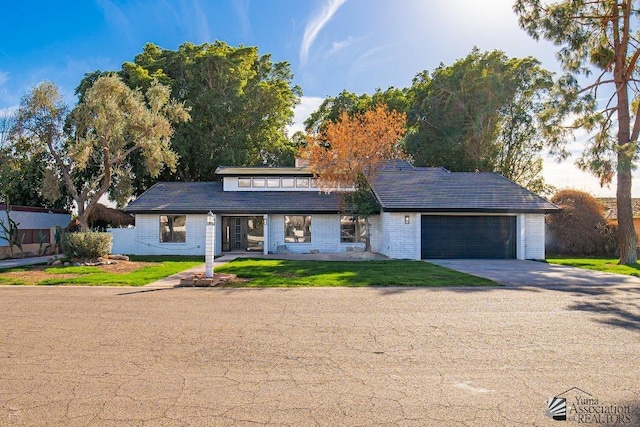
(610, 208)
(425, 213)
(36, 227)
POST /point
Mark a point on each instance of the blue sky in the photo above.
(332, 45)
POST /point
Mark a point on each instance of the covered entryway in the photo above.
(451, 237)
(242, 233)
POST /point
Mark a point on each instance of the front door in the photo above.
(242, 233)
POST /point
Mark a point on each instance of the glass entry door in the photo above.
(242, 233)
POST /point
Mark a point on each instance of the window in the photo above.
(28, 236)
(244, 182)
(288, 182)
(297, 229)
(302, 182)
(173, 228)
(273, 182)
(258, 182)
(353, 229)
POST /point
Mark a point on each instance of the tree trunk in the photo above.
(367, 238)
(83, 217)
(626, 231)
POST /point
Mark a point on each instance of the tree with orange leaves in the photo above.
(349, 152)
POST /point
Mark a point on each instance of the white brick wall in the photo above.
(389, 236)
(148, 236)
(325, 235)
(534, 236)
(400, 240)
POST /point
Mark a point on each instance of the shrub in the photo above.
(610, 236)
(89, 245)
(581, 228)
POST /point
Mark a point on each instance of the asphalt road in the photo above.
(329, 357)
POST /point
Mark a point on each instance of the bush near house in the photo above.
(88, 245)
(581, 228)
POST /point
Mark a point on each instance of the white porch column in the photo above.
(265, 248)
(209, 249)
(521, 239)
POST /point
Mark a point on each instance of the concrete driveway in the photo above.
(82, 356)
(534, 273)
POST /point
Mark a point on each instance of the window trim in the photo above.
(244, 182)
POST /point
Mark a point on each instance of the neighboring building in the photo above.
(36, 227)
(424, 213)
(610, 208)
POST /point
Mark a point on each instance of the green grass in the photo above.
(286, 273)
(609, 265)
(94, 276)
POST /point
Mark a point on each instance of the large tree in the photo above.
(91, 151)
(599, 49)
(26, 178)
(348, 153)
(331, 109)
(480, 114)
(241, 103)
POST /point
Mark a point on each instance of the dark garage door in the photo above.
(468, 237)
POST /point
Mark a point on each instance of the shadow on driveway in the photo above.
(612, 299)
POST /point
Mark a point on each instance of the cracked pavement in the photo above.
(85, 356)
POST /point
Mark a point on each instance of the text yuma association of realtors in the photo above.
(590, 410)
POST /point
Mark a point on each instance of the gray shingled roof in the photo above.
(437, 190)
(202, 197)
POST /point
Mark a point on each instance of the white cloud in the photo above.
(315, 25)
(338, 46)
(308, 104)
(4, 76)
(242, 10)
(115, 16)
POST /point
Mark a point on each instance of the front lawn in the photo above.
(287, 273)
(608, 265)
(137, 272)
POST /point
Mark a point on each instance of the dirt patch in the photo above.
(37, 273)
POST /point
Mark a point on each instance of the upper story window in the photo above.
(173, 228)
(288, 182)
(276, 182)
(273, 182)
